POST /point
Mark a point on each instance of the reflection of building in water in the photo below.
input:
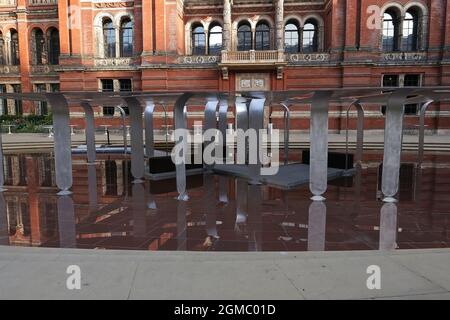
(29, 198)
(118, 217)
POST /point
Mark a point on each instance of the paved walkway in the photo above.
(40, 273)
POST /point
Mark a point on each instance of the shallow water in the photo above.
(107, 211)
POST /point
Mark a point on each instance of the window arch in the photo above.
(310, 37)
(198, 40)
(244, 35)
(126, 37)
(262, 36)
(215, 40)
(410, 41)
(53, 46)
(291, 37)
(109, 39)
(390, 31)
(38, 46)
(14, 47)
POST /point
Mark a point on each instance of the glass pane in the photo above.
(215, 40)
(109, 38)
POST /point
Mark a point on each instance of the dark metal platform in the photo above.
(288, 177)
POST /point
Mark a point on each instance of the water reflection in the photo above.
(107, 211)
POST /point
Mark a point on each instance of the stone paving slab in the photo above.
(107, 274)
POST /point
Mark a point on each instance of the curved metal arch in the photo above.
(318, 166)
(62, 142)
(393, 135)
(359, 132)
(149, 128)
(137, 147)
(89, 132)
(421, 145)
(180, 122)
(287, 128)
(124, 128)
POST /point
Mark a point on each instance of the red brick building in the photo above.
(224, 45)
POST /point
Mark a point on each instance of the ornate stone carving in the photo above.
(113, 62)
(225, 73)
(7, 3)
(42, 2)
(198, 59)
(114, 4)
(308, 57)
(42, 69)
(252, 82)
(9, 69)
(404, 56)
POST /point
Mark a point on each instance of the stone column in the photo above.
(227, 24)
(279, 24)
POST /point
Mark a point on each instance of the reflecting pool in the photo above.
(107, 211)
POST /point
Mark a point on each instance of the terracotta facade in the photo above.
(158, 45)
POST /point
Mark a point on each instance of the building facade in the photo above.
(225, 45)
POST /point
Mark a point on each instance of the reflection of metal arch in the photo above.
(359, 132)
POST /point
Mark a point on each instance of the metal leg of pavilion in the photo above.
(317, 221)
(223, 181)
(66, 222)
(4, 230)
(319, 145)
(388, 226)
(90, 132)
(393, 135)
(137, 146)
(149, 131)
(124, 128)
(210, 121)
(2, 174)
(256, 122)
(182, 145)
(62, 142)
(423, 110)
(242, 123)
(359, 132)
(287, 128)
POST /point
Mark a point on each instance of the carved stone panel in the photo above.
(252, 82)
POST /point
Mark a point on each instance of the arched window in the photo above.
(109, 39)
(410, 31)
(198, 40)
(262, 37)
(291, 38)
(310, 37)
(244, 34)
(215, 40)
(53, 46)
(390, 31)
(126, 38)
(38, 46)
(15, 60)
